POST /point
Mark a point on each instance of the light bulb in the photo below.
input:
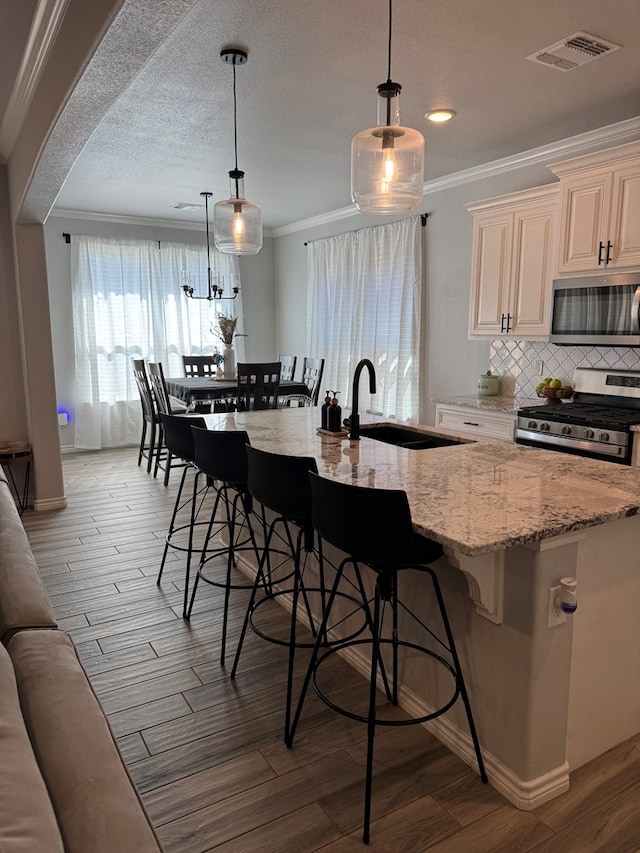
(238, 223)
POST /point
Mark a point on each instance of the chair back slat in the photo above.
(159, 387)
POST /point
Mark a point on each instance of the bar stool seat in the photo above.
(373, 528)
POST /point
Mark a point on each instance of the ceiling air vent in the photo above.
(186, 205)
(573, 51)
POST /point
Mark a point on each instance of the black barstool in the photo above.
(373, 528)
(222, 456)
(281, 484)
(178, 440)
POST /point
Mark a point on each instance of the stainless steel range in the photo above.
(606, 403)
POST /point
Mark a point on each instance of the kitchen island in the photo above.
(513, 520)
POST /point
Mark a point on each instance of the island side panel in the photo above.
(604, 702)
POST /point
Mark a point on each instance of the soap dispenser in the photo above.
(334, 419)
(324, 411)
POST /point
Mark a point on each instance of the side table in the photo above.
(11, 453)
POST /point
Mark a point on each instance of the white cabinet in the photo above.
(600, 211)
(481, 423)
(513, 263)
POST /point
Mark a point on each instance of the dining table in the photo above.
(190, 389)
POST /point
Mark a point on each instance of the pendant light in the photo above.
(387, 161)
(237, 223)
(215, 285)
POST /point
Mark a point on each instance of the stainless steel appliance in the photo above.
(606, 404)
(601, 310)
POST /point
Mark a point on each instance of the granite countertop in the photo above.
(476, 497)
(510, 405)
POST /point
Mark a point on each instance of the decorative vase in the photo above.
(229, 362)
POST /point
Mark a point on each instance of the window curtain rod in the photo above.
(423, 222)
(67, 238)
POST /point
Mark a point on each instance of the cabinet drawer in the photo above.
(475, 422)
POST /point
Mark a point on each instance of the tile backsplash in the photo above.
(516, 362)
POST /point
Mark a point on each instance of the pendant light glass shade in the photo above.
(387, 161)
(237, 223)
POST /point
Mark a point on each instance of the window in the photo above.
(128, 303)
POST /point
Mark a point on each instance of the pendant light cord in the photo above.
(389, 61)
(235, 119)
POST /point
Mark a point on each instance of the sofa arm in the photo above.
(96, 804)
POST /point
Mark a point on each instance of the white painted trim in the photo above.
(121, 219)
(49, 504)
(44, 30)
(614, 134)
(484, 574)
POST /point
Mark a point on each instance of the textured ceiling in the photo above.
(310, 85)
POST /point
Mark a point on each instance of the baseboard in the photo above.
(49, 504)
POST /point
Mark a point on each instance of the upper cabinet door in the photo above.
(585, 205)
(600, 211)
(534, 263)
(625, 220)
(490, 276)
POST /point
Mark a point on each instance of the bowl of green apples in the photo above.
(553, 389)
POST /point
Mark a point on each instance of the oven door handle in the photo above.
(635, 313)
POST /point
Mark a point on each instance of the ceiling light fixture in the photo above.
(387, 162)
(440, 116)
(237, 223)
(215, 283)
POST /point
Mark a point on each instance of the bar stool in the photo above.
(373, 528)
(178, 440)
(222, 457)
(281, 484)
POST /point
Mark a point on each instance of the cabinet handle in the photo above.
(508, 322)
(470, 423)
(502, 324)
(608, 255)
(600, 251)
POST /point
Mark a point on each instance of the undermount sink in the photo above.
(405, 437)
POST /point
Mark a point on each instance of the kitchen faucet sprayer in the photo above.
(354, 428)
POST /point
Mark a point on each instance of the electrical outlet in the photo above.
(555, 616)
(540, 367)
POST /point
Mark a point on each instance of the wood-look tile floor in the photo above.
(207, 754)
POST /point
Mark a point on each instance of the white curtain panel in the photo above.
(128, 303)
(364, 297)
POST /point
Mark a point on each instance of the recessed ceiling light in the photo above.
(440, 116)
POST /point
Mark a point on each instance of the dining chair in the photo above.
(149, 414)
(312, 370)
(198, 365)
(258, 385)
(288, 369)
(169, 406)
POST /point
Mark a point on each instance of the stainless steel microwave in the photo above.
(601, 310)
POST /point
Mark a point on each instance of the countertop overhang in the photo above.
(477, 497)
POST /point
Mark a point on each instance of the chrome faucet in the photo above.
(354, 428)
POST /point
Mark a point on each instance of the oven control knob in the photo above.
(604, 436)
(544, 427)
(566, 430)
(589, 433)
(532, 425)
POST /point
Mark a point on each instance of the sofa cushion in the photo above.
(24, 602)
(27, 820)
(95, 801)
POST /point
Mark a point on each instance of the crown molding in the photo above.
(44, 30)
(121, 219)
(613, 134)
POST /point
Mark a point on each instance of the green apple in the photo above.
(555, 384)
